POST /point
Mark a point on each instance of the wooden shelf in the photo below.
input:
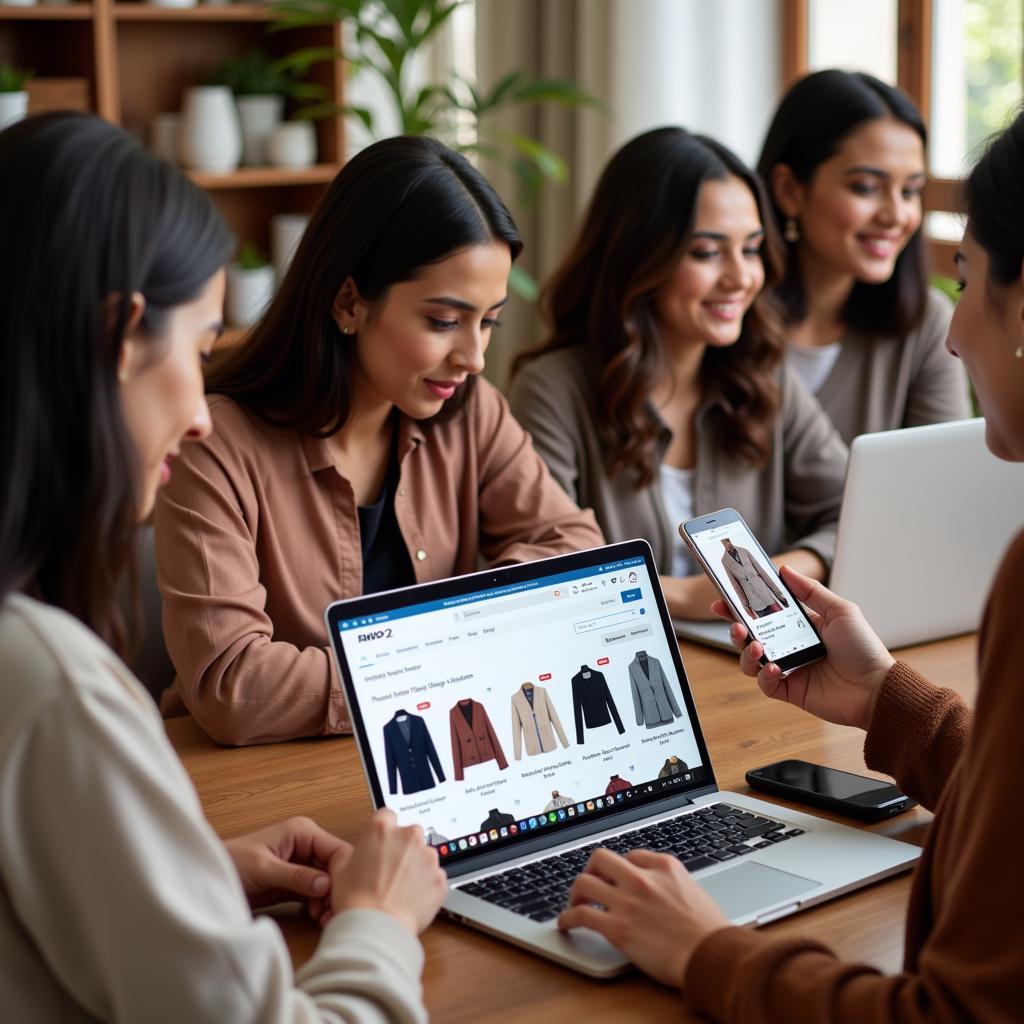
(64, 12)
(265, 177)
(227, 12)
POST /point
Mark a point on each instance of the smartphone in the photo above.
(843, 792)
(750, 585)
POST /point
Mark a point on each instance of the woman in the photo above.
(963, 960)
(353, 450)
(117, 901)
(659, 394)
(844, 160)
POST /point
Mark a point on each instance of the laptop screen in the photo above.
(496, 707)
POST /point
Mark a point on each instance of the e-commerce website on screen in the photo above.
(504, 713)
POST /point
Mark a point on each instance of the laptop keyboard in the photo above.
(540, 890)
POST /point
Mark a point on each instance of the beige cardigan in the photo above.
(535, 723)
(792, 503)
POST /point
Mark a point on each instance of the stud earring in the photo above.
(346, 330)
(1019, 353)
(792, 230)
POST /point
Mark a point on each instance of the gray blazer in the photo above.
(653, 701)
(792, 503)
(884, 383)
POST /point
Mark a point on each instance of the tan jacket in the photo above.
(885, 382)
(538, 723)
(257, 532)
(963, 955)
(752, 584)
(792, 503)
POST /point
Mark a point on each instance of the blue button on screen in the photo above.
(631, 595)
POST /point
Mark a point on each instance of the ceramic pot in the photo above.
(13, 107)
(173, 3)
(292, 144)
(248, 294)
(285, 232)
(211, 139)
(259, 116)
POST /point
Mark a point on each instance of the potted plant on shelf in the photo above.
(387, 35)
(250, 286)
(260, 86)
(13, 95)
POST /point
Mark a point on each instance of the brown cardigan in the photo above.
(257, 532)
(964, 958)
(475, 741)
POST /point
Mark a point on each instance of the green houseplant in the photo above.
(13, 96)
(387, 35)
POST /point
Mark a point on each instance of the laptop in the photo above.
(927, 513)
(526, 715)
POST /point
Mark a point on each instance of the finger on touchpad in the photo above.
(751, 888)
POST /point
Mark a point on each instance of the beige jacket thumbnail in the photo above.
(538, 723)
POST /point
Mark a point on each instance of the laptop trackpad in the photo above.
(751, 887)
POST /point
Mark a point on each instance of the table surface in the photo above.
(472, 977)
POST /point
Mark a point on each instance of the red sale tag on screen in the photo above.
(545, 677)
(423, 705)
(602, 661)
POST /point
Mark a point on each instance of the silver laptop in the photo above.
(927, 514)
(526, 715)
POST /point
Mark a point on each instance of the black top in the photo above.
(386, 563)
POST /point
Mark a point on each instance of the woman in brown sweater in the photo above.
(964, 959)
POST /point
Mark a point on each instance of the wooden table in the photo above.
(471, 977)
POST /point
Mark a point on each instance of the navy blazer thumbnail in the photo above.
(409, 752)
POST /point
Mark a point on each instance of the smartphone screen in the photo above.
(830, 782)
(745, 575)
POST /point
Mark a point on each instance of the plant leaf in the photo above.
(547, 161)
(523, 283)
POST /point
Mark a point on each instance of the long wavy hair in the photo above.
(602, 298)
(397, 207)
(814, 118)
(88, 217)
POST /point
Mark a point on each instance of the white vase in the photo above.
(248, 294)
(286, 230)
(259, 116)
(211, 139)
(17, 3)
(13, 107)
(173, 3)
(292, 144)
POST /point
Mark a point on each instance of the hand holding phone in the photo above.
(843, 792)
(740, 569)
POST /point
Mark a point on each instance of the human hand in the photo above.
(649, 907)
(390, 869)
(287, 861)
(842, 687)
(689, 597)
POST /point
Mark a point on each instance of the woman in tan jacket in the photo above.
(964, 960)
(660, 393)
(354, 448)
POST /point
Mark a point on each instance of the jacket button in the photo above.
(420, 554)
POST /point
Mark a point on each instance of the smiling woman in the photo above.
(354, 447)
(659, 394)
(844, 159)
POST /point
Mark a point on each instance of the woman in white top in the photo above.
(117, 900)
(844, 160)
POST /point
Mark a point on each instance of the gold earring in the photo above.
(792, 230)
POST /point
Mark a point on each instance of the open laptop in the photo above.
(524, 716)
(927, 514)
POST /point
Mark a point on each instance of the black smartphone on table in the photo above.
(750, 585)
(842, 792)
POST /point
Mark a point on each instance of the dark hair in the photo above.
(602, 297)
(995, 212)
(814, 118)
(399, 206)
(88, 217)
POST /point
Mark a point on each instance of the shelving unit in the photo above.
(138, 59)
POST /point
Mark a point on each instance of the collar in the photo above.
(318, 451)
